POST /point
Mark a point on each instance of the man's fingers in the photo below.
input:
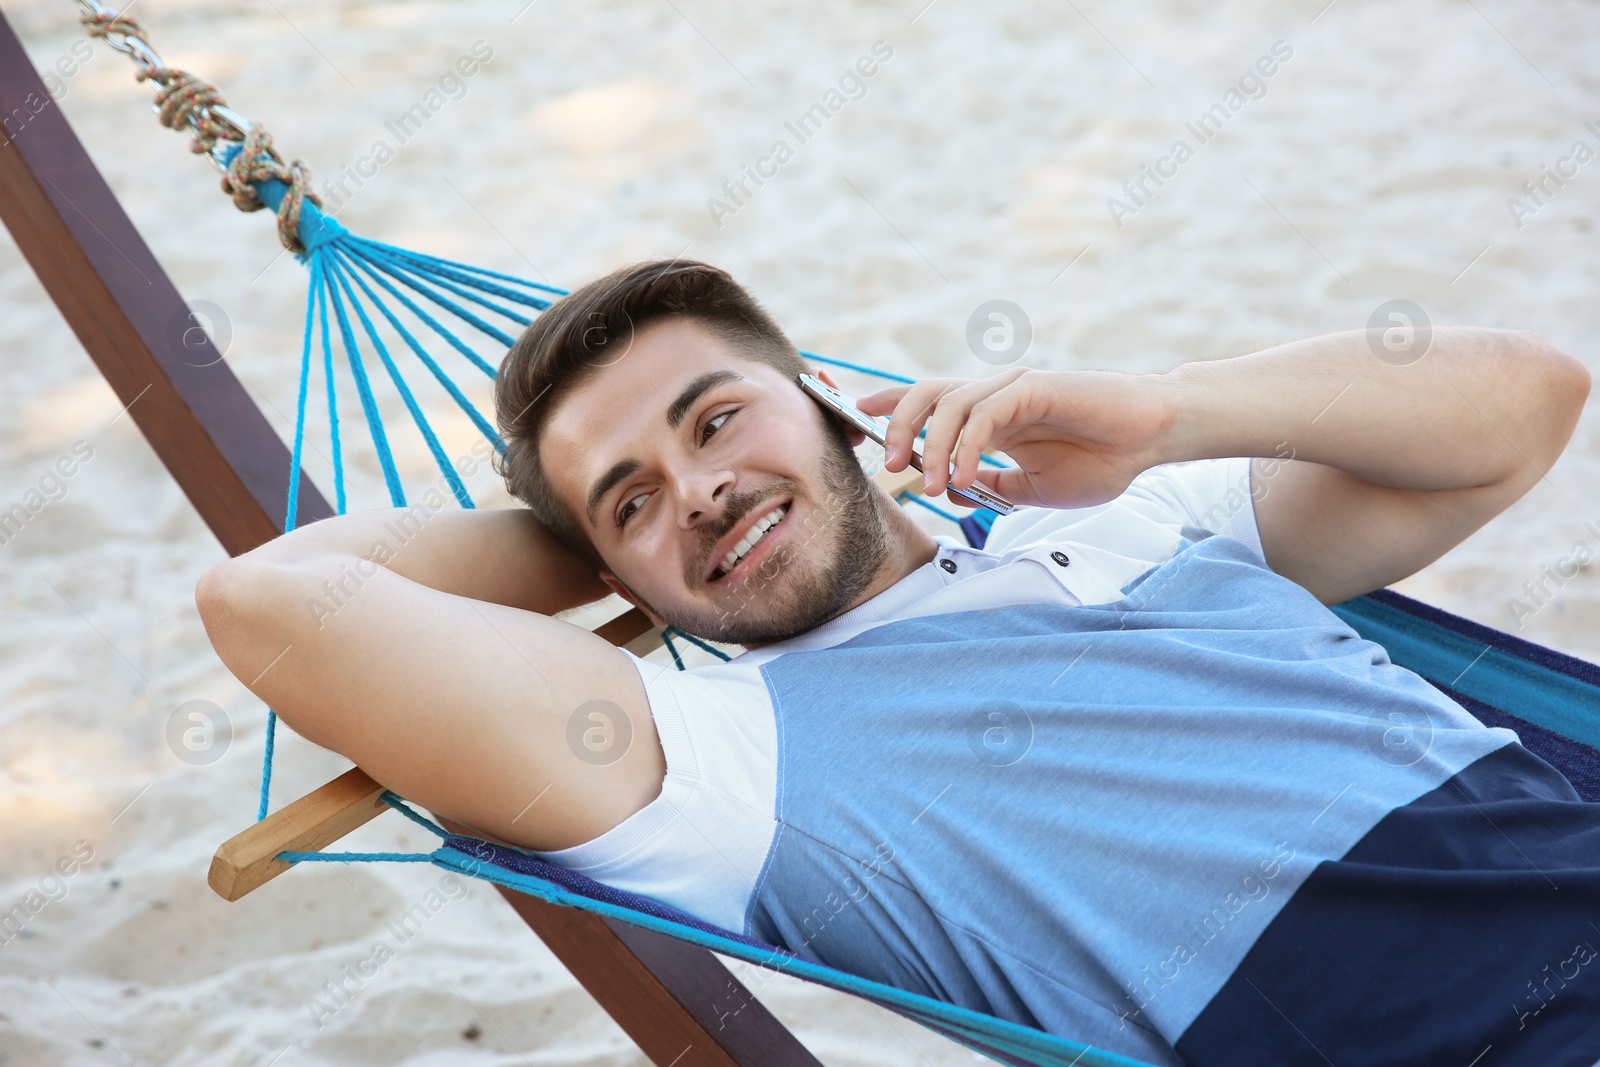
(906, 421)
(975, 436)
(956, 420)
(1013, 483)
(883, 401)
(997, 412)
(949, 415)
(940, 403)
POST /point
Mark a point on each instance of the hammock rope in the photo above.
(185, 101)
(403, 808)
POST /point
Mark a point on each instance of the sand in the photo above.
(976, 164)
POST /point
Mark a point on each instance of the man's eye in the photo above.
(624, 513)
(708, 425)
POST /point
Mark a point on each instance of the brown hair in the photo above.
(591, 328)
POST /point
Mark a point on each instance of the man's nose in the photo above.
(702, 491)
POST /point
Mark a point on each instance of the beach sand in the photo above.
(1376, 164)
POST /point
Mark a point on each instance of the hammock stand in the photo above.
(648, 965)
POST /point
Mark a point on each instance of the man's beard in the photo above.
(784, 596)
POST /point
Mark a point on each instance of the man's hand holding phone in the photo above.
(1078, 437)
(974, 494)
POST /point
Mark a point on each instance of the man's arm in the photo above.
(419, 644)
(1392, 465)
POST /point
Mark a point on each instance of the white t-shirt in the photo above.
(700, 845)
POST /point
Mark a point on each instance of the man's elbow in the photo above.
(220, 593)
(1551, 386)
(1566, 378)
(220, 598)
(242, 605)
(211, 592)
(1576, 380)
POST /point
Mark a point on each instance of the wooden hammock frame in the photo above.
(223, 453)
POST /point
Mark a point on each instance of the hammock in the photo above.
(371, 300)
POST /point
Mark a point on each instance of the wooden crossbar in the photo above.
(315, 821)
(222, 452)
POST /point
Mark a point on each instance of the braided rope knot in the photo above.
(187, 102)
(258, 161)
(184, 101)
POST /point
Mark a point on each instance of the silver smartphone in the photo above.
(874, 426)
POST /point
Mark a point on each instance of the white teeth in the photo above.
(763, 524)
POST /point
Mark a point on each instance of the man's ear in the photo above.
(616, 586)
(854, 435)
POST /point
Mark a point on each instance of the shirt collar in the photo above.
(893, 602)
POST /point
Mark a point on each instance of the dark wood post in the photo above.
(230, 463)
(133, 322)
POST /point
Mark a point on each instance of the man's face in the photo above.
(670, 457)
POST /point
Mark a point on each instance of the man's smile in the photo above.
(755, 535)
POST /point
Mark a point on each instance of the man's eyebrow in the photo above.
(608, 481)
(691, 392)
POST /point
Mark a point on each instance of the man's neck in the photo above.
(916, 548)
(911, 547)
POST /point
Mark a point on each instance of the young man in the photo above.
(1119, 774)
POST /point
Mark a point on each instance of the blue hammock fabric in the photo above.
(1000, 1039)
(1556, 697)
(356, 285)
